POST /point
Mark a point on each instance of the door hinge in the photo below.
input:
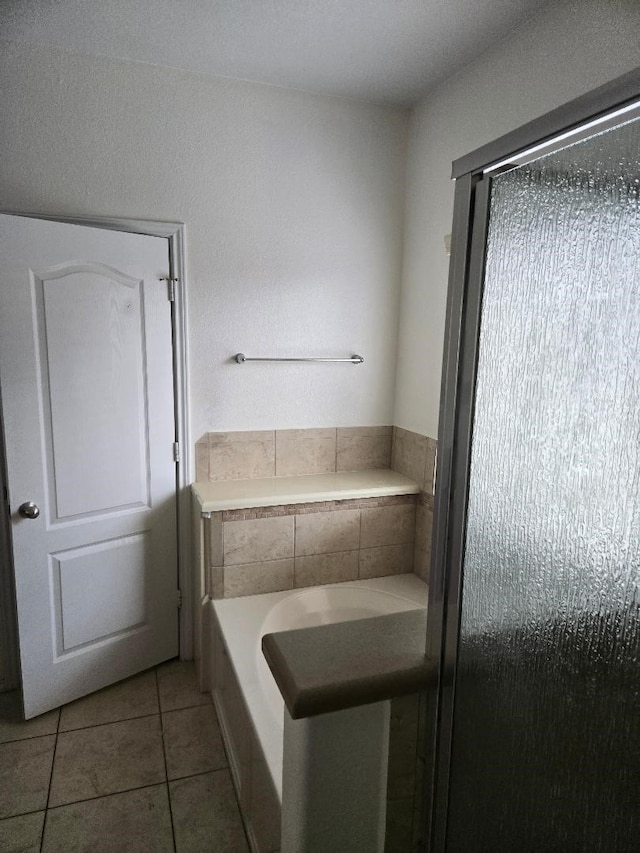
(176, 451)
(179, 598)
(171, 287)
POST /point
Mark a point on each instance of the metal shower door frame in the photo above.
(472, 174)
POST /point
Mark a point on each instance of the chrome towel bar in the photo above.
(354, 359)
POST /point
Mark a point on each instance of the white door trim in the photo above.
(174, 232)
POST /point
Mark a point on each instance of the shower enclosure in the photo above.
(534, 733)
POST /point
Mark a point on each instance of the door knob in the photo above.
(29, 510)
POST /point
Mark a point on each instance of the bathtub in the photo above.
(239, 625)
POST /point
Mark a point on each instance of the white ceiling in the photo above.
(389, 51)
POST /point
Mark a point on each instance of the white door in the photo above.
(86, 377)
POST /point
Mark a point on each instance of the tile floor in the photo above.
(136, 768)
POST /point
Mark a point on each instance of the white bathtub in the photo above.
(243, 622)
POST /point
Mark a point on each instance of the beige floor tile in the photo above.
(135, 697)
(178, 687)
(192, 742)
(107, 759)
(21, 834)
(13, 727)
(133, 822)
(25, 771)
(205, 815)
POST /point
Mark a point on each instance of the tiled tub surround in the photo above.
(255, 549)
(253, 730)
(289, 544)
(223, 457)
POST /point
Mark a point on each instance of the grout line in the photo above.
(359, 540)
(275, 453)
(186, 707)
(426, 463)
(325, 553)
(22, 740)
(104, 796)
(164, 759)
(222, 560)
(231, 778)
(295, 536)
(109, 723)
(53, 764)
(225, 767)
(20, 814)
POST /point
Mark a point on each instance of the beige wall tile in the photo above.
(305, 451)
(327, 532)
(424, 522)
(421, 563)
(409, 454)
(202, 459)
(326, 568)
(363, 448)
(388, 525)
(256, 578)
(257, 540)
(429, 482)
(422, 554)
(241, 455)
(385, 560)
(215, 539)
(216, 582)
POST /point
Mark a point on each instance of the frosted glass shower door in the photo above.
(546, 721)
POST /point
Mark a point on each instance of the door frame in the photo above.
(174, 233)
(472, 174)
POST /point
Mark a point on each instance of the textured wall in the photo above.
(566, 50)
(293, 206)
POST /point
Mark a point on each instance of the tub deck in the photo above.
(243, 622)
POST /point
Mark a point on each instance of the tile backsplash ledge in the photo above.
(293, 452)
